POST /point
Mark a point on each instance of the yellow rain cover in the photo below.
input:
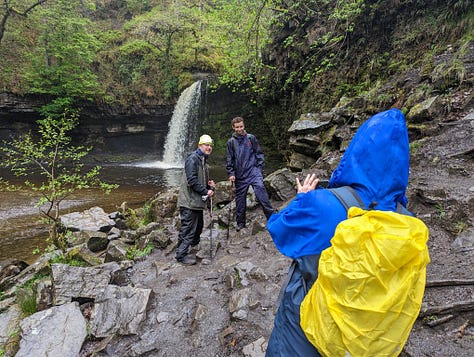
(370, 286)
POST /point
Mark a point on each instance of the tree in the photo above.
(166, 35)
(16, 8)
(130, 50)
(235, 33)
(62, 63)
(223, 37)
(52, 168)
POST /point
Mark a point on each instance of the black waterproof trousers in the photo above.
(192, 222)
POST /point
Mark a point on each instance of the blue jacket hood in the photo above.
(377, 161)
(376, 165)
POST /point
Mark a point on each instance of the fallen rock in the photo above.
(93, 219)
(58, 331)
(119, 310)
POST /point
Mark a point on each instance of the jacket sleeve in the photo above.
(191, 167)
(229, 164)
(307, 224)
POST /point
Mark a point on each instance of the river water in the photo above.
(20, 229)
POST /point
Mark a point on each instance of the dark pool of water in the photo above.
(20, 229)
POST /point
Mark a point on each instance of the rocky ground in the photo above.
(215, 308)
(225, 306)
(442, 195)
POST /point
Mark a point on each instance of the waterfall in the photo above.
(182, 128)
(182, 133)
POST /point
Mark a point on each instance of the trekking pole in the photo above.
(230, 207)
(210, 230)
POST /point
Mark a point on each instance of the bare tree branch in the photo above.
(440, 321)
(9, 10)
(447, 309)
(449, 282)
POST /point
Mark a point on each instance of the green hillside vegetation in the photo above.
(127, 51)
(363, 56)
(351, 48)
(291, 57)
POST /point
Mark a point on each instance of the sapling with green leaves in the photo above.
(52, 167)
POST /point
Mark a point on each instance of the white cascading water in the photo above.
(182, 136)
(182, 127)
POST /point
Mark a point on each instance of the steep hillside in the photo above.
(372, 56)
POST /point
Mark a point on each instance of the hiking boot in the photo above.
(239, 227)
(187, 260)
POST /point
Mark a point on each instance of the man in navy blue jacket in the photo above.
(244, 166)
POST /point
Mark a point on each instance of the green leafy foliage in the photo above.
(147, 214)
(134, 252)
(135, 51)
(131, 218)
(354, 45)
(236, 32)
(67, 259)
(61, 63)
(26, 294)
(26, 299)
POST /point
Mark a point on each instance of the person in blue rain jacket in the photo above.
(376, 165)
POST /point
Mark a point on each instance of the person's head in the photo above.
(205, 144)
(238, 125)
(377, 160)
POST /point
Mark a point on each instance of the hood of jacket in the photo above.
(377, 160)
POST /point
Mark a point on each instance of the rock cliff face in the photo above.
(427, 107)
(135, 130)
(120, 133)
(383, 54)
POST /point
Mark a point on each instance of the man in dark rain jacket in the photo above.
(244, 164)
(194, 191)
(376, 166)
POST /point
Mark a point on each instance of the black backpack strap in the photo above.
(306, 270)
(234, 146)
(348, 197)
(252, 141)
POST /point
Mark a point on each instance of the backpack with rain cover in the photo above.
(370, 283)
